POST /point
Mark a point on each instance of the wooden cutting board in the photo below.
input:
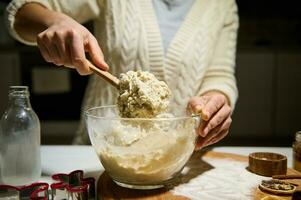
(258, 194)
(108, 190)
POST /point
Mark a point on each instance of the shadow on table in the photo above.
(194, 167)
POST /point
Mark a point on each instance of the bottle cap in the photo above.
(18, 90)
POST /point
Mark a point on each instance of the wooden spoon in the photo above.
(113, 80)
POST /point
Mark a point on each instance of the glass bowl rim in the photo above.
(86, 113)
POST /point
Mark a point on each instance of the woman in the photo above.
(189, 44)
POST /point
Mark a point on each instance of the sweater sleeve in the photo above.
(220, 73)
(80, 10)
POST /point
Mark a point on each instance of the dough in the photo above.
(135, 154)
(141, 95)
(144, 151)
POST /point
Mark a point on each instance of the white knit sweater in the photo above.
(200, 58)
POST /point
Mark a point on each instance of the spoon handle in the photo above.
(113, 80)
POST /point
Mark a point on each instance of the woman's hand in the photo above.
(215, 112)
(65, 42)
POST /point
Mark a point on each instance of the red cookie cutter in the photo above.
(73, 186)
(68, 186)
(35, 191)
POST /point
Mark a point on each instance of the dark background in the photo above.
(268, 111)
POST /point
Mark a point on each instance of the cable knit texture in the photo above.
(200, 58)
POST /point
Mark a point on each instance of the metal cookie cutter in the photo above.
(35, 191)
(73, 186)
(70, 186)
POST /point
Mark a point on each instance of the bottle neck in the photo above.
(19, 101)
(19, 96)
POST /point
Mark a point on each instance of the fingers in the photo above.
(214, 110)
(44, 51)
(216, 115)
(64, 48)
(213, 105)
(221, 128)
(95, 52)
(65, 45)
(214, 140)
(222, 114)
(217, 138)
(196, 105)
(45, 43)
(207, 106)
(215, 134)
(77, 52)
(61, 46)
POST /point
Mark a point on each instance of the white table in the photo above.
(67, 158)
(64, 159)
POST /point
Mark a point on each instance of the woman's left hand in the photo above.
(215, 111)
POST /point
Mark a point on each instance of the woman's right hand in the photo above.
(65, 42)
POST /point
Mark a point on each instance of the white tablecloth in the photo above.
(64, 159)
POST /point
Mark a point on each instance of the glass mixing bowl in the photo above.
(142, 153)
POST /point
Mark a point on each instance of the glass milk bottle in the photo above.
(20, 157)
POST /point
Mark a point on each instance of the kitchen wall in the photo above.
(268, 73)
